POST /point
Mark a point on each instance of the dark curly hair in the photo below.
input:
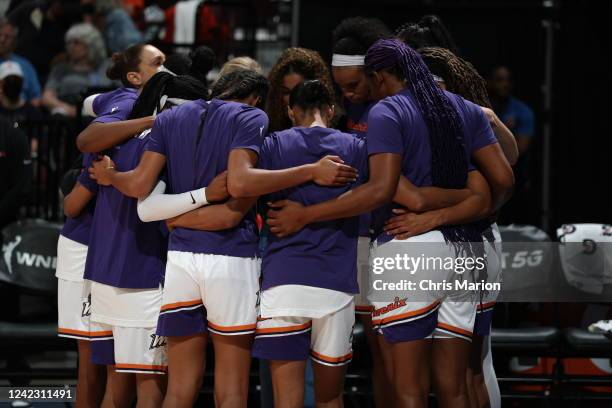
(354, 35)
(459, 75)
(307, 63)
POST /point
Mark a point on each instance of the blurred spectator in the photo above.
(513, 112)
(518, 117)
(4, 5)
(154, 22)
(30, 90)
(42, 24)
(84, 69)
(13, 107)
(15, 167)
(119, 30)
(134, 7)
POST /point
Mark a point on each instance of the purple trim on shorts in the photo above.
(482, 324)
(182, 322)
(289, 347)
(417, 329)
(103, 352)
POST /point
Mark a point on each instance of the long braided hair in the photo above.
(449, 162)
(460, 77)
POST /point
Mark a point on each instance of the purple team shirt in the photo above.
(357, 117)
(395, 125)
(78, 228)
(323, 254)
(109, 107)
(357, 123)
(193, 160)
(124, 252)
(114, 106)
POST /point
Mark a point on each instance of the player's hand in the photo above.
(331, 171)
(285, 217)
(101, 170)
(408, 224)
(217, 189)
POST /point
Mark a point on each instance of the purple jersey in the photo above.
(78, 228)
(125, 252)
(357, 117)
(114, 106)
(395, 125)
(109, 107)
(323, 254)
(357, 123)
(194, 158)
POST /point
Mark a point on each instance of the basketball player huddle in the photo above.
(245, 212)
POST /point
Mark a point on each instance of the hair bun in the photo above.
(310, 94)
(117, 67)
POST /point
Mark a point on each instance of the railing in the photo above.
(52, 142)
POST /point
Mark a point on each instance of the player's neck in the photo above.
(312, 119)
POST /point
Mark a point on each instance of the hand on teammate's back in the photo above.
(217, 189)
(405, 224)
(331, 171)
(285, 217)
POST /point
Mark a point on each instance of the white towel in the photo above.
(185, 21)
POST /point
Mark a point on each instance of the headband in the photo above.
(341, 60)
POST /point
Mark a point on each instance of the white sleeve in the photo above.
(87, 109)
(158, 206)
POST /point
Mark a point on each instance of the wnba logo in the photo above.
(157, 342)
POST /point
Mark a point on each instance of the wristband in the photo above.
(199, 197)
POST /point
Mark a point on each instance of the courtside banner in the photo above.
(508, 272)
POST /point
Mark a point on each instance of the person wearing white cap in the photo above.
(13, 107)
(31, 86)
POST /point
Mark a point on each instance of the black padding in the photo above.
(531, 338)
(582, 340)
(38, 331)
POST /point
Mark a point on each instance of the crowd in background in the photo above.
(53, 53)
